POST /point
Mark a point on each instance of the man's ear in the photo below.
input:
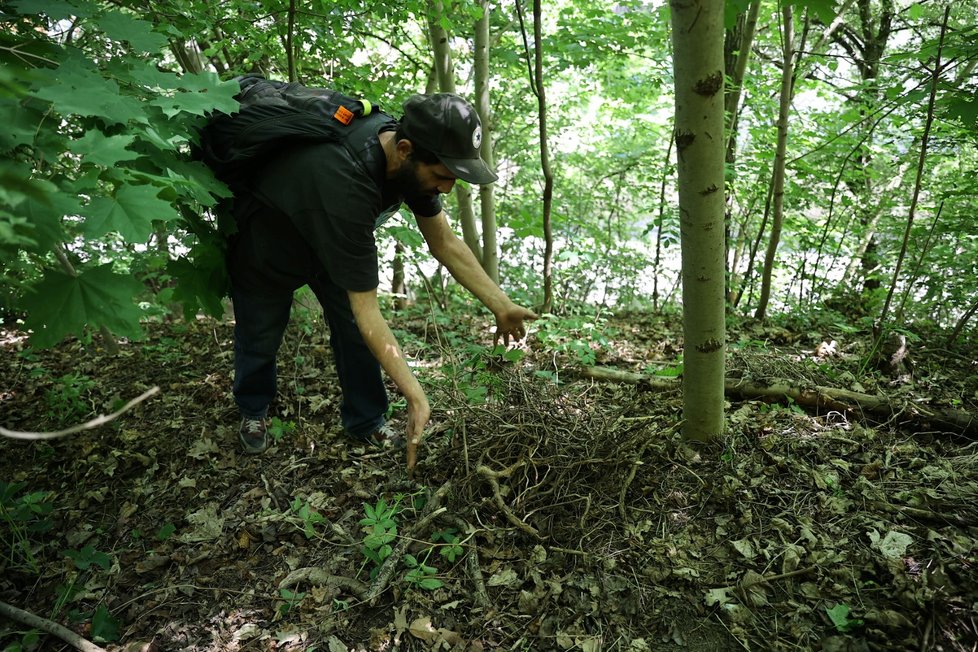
(404, 148)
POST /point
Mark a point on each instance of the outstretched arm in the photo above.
(385, 348)
(451, 252)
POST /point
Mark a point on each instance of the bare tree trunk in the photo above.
(446, 82)
(657, 263)
(548, 187)
(737, 47)
(965, 318)
(535, 75)
(777, 219)
(697, 55)
(289, 47)
(490, 250)
(921, 160)
(747, 27)
(924, 250)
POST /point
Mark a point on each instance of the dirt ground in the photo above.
(548, 511)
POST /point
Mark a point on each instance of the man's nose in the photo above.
(445, 187)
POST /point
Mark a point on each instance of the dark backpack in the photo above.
(272, 116)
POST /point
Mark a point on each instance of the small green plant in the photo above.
(291, 600)
(278, 428)
(452, 548)
(66, 399)
(310, 518)
(380, 530)
(21, 516)
(88, 557)
(420, 574)
(669, 371)
(839, 615)
(165, 532)
(29, 640)
(105, 628)
(580, 337)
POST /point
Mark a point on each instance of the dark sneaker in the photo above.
(383, 437)
(253, 434)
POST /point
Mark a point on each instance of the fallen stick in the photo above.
(492, 478)
(840, 400)
(319, 577)
(480, 595)
(88, 425)
(51, 627)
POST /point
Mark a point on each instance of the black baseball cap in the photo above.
(449, 127)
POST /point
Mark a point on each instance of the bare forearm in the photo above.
(382, 343)
(465, 268)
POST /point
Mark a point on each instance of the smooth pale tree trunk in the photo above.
(446, 82)
(777, 217)
(742, 39)
(737, 49)
(697, 55)
(548, 175)
(487, 198)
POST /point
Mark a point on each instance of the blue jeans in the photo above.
(261, 317)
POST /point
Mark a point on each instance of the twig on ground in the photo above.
(88, 425)
(491, 476)
(472, 566)
(319, 577)
(53, 628)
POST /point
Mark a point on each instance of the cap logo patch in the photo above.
(477, 137)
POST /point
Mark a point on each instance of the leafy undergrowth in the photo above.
(549, 512)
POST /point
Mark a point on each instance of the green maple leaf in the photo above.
(103, 150)
(61, 305)
(46, 214)
(130, 213)
(964, 109)
(202, 94)
(139, 33)
(825, 10)
(53, 9)
(76, 87)
(18, 126)
(15, 231)
(201, 282)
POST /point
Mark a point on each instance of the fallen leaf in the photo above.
(207, 525)
(202, 448)
(505, 577)
(422, 628)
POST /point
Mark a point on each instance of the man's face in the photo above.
(416, 180)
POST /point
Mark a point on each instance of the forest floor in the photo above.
(548, 512)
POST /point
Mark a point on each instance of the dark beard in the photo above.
(406, 183)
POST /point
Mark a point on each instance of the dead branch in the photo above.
(816, 397)
(53, 628)
(88, 425)
(319, 577)
(492, 477)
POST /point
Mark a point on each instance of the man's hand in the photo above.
(417, 418)
(509, 323)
